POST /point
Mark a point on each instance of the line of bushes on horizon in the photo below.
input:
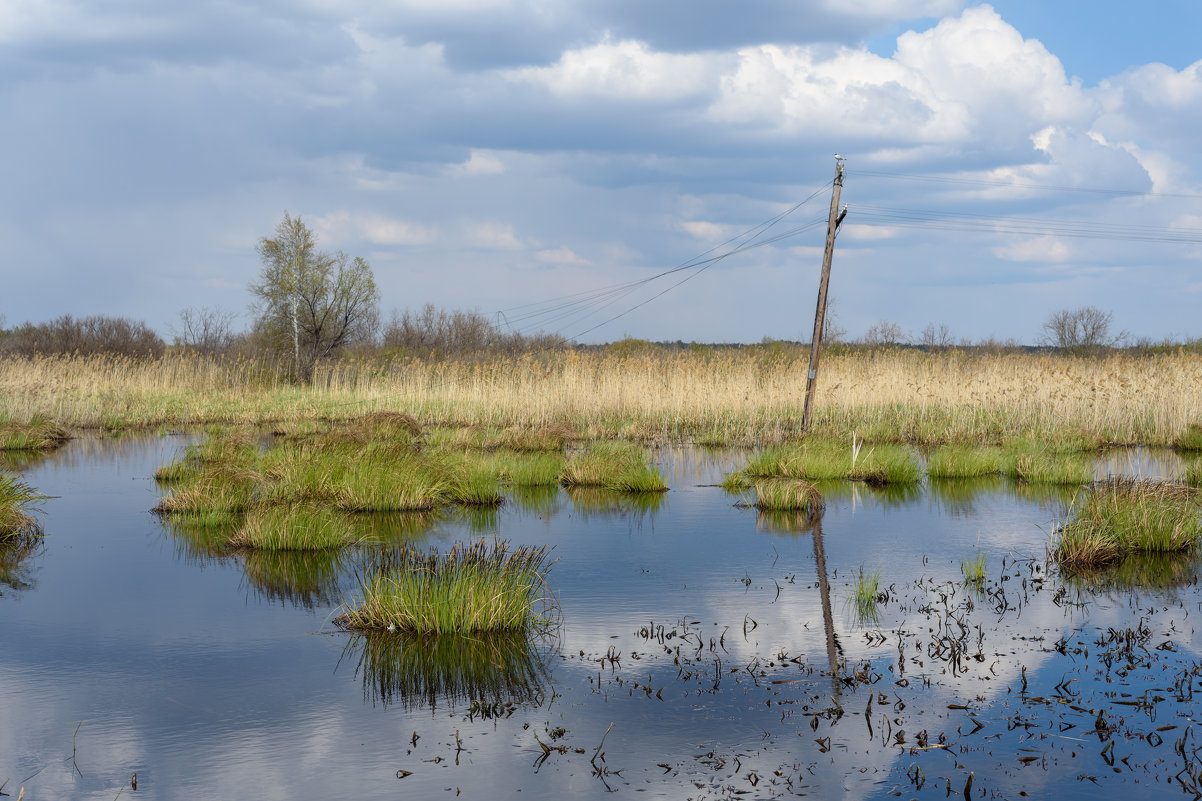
(430, 332)
(425, 333)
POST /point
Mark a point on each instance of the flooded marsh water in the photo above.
(704, 651)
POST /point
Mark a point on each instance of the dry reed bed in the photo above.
(745, 396)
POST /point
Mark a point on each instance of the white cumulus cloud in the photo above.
(626, 70)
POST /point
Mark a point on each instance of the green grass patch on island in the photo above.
(960, 461)
(472, 589)
(528, 469)
(820, 460)
(39, 434)
(1038, 464)
(298, 528)
(617, 466)
(1193, 472)
(787, 494)
(1191, 440)
(17, 500)
(1120, 516)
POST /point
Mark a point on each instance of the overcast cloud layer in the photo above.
(491, 153)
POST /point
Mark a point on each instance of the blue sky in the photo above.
(490, 154)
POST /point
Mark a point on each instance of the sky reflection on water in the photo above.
(693, 626)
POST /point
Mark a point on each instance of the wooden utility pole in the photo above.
(832, 225)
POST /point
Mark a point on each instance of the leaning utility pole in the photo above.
(832, 226)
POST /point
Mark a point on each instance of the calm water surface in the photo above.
(692, 630)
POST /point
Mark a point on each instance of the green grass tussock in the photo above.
(297, 528)
(1035, 463)
(17, 499)
(373, 483)
(1117, 517)
(959, 461)
(866, 595)
(822, 460)
(540, 439)
(528, 469)
(618, 466)
(974, 569)
(737, 481)
(787, 494)
(220, 492)
(1191, 440)
(39, 434)
(1193, 472)
(472, 589)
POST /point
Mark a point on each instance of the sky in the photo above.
(534, 160)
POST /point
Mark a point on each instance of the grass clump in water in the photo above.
(389, 425)
(1191, 440)
(471, 590)
(867, 595)
(529, 469)
(39, 434)
(821, 460)
(543, 439)
(217, 495)
(297, 528)
(18, 527)
(787, 494)
(1037, 464)
(1122, 516)
(386, 483)
(957, 461)
(974, 570)
(737, 482)
(1193, 473)
(613, 465)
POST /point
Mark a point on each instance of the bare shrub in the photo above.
(86, 336)
(885, 333)
(1080, 330)
(832, 332)
(205, 330)
(431, 331)
(938, 337)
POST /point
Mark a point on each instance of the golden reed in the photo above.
(700, 394)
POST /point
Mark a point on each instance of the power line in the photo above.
(578, 306)
(586, 302)
(1031, 226)
(997, 182)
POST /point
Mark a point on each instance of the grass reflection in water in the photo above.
(492, 673)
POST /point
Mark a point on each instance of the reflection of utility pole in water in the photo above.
(824, 589)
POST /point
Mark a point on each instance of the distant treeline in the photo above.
(431, 333)
(426, 333)
(85, 335)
